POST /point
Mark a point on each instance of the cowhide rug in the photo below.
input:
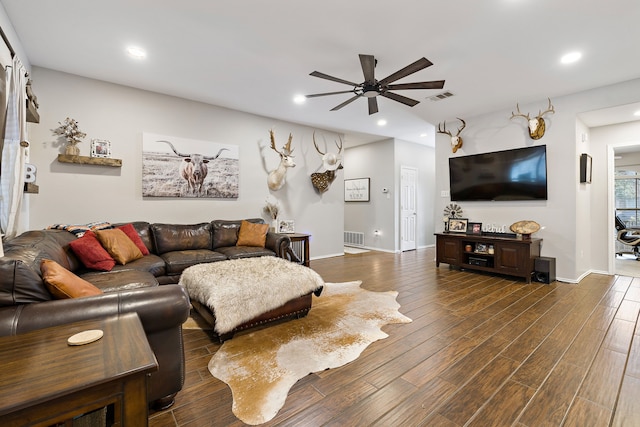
(260, 367)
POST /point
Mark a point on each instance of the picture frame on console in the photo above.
(457, 225)
(286, 226)
(474, 228)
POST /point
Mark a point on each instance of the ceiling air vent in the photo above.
(440, 96)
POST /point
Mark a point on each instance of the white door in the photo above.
(408, 193)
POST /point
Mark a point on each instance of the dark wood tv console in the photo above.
(510, 256)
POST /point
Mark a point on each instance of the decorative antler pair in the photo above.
(536, 125)
(456, 141)
(332, 162)
(276, 178)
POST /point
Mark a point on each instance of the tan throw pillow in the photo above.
(64, 284)
(251, 234)
(119, 245)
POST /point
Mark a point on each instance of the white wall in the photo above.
(374, 161)
(422, 158)
(381, 161)
(584, 213)
(79, 194)
(10, 33)
(603, 139)
(563, 215)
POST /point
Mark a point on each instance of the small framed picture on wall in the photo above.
(356, 190)
(585, 168)
(100, 148)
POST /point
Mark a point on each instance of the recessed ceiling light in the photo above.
(382, 122)
(423, 135)
(136, 52)
(637, 113)
(571, 57)
(299, 99)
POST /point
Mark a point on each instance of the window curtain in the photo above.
(13, 152)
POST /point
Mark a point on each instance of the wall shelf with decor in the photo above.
(31, 188)
(84, 160)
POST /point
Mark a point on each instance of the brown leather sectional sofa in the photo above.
(147, 286)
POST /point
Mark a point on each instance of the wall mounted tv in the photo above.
(519, 174)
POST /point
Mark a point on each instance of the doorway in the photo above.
(625, 189)
(408, 208)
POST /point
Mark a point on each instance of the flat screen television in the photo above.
(518, 174)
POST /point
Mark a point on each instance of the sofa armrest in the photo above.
(278, 243)
(162, 311)
(159, 308)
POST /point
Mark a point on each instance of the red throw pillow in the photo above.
(131, 233)
(91, 253)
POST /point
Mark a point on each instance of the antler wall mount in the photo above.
(456, 141)
(276, 178)
(332, 162)
(536, 125)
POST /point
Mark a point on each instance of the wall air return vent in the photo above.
(440, 96)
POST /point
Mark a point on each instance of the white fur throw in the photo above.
(241, 289)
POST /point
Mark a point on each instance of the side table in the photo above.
(45, 381)
(300, 246)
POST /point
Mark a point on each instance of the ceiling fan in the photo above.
(372, 88)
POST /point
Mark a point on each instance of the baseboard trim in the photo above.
(326, 256)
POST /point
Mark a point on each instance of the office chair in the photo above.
(628, 236)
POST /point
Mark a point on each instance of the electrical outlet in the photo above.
(444, 193)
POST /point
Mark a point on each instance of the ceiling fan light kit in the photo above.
(371, 88)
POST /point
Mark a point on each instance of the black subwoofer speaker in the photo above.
(545, 270)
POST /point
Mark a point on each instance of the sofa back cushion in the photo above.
(20, 277)
(225, 232)
(181, 237)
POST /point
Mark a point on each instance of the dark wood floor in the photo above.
(481, 351)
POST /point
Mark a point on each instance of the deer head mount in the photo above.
(332, 162)
(276, 177)
(456, 141)
(536, 125)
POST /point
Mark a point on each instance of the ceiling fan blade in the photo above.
(437, 84)
(403, 99)
(373, 105)
(368, 63)
(334, 79)
(347, 102)
(409, 69)
(327, 93)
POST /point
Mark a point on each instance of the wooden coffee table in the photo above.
(46, 381)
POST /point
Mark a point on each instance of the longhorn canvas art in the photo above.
(180, 167)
